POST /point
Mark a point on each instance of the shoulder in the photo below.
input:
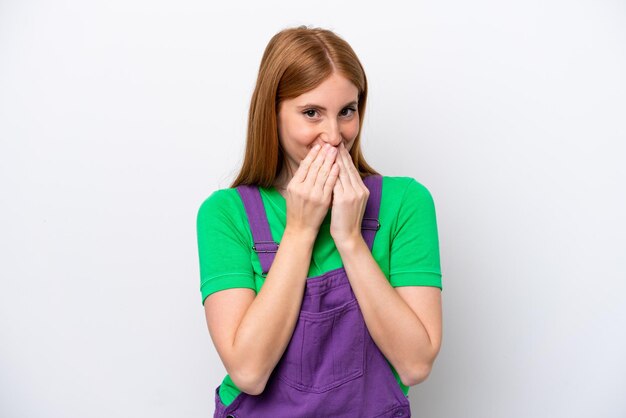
(403, 188)
(220, 203)
(223, 214)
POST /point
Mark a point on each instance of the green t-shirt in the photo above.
(406, 247)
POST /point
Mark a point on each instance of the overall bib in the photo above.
(331, 366)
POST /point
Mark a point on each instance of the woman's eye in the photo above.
(347, 112)
(351, 109)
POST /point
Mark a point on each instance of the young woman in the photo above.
(310, 315)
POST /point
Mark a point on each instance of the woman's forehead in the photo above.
(335, 91)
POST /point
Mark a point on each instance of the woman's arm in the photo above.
(251, 333)
(405, 325)
(404, 322)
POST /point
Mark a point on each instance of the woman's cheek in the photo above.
(351, 128)
(308, 133)
(306, 136)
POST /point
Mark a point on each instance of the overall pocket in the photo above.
(326, 350)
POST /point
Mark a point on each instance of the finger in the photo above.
(338, 185)
(344, 175)
(332, 180)
(355, 177)
(300, 173)
(314, 170)
(324, 171)
(351, 172)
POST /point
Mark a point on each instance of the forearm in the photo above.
(393, 325)
(266, 328)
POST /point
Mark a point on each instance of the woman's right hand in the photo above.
(310, 191)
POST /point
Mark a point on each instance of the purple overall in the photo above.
(331, 366)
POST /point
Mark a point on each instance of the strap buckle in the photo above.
(265, 242)
(369, 221)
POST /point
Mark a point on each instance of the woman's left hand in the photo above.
(350, 196)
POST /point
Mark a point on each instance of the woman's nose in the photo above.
(331, 134)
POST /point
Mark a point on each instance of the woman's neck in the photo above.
(282, 180)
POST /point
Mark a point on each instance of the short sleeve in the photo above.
(414, 255)
(222, 247)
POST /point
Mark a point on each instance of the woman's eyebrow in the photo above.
(352, 103)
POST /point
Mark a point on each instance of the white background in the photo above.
(118, 118)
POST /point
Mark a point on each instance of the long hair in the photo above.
(295, 61)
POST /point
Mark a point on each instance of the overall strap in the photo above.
(265, 246)
(371, 222)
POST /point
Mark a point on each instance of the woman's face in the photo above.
(326, 114)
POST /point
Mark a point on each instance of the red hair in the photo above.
(295, 61)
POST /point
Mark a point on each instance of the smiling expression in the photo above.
(326, 114)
